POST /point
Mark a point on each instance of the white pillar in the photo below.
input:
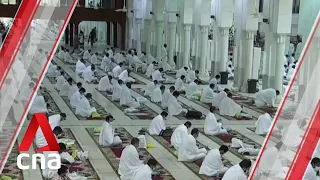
(187, 41)
(139, 22)
(281, 47)
(224, 49)
(204, 50)
(159, 38)
(129, 31)
(148, 35)
(249, 35)
(172, 42)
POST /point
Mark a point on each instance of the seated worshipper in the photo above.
(266, 97)
(117, 70)
(165, 97)
(87, 55)
(263, 124)
(41, 140)
(60, 81)
(285, 68)
(290, 72)
(55, 120)
(150, 88)
(138, 63)
(230, 71)
(212, 164)
(179, 134)
(215, 81)
(111, 52)
(270, 162)
(212, 126)
(105, 84)
(74, 88)
(193, 92)
(179, 84)
(219, 97)
(156, 95)
(27, 92)
(158, 76)
(53, 70)
(107, 135)
(182, 72)
(208, 94)
(65, 88)
(312, 169)
(68, 58)
(39, 105)
(94, 59)
(126, 99)
(174, 107)
(229, 107)
(145, 171)
(150, 69)
(76, 97)
(119, 58)
(125, 76)
(83, 108)
(188, 150)
(292, 135)
(191, 76)
(129, 161)
(243, 148)
(61, 174)
(88, 74)
(117, 88)
(158, 126)
(239, 171)
(80, 68)
(66, 158)
(105, 61)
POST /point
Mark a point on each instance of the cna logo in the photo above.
(47, 160)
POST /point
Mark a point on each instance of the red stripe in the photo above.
(301, 60)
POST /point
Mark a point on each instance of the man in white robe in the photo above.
(53, 70)
(39, 105)
(110, 52)
(244, 148)
(88, 74)
(291, 48)
(188, 149)
(182, 72)
(105, 60)
(107, 135)
(126, 99)
(212, 164)
(65, 88)
(80, 67)
(125, 76)
(87, 55)
(74, 88)
(166, 95)
(229, 107)
(94, 59)
(179, 84)
(117, 70)
(263, 124)
(138, 63)
(157, 125)
(150, 88)
(76, 97)
(312, 169)
(164, 53)
(191, 76)
(156, 95)
(193, 93)
(215, 81)
(105, 84)
(67, 57)
(208, 94)
(239, 171)
(60, 81)
(211, 125)
(174, 107)
(179, 134)
(129, 161)
(41, 140)
(150, 69)
(219, 97)
(291, 72)
(145, 171)
(266, 97)
(26, 92)
(83, 108)
(55, 120)
(158, 76)
(117, 88)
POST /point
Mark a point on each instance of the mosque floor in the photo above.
(102, 162)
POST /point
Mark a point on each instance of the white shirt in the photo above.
(75, 99)
(83, 108)
(212, 163)
(129, 163)
(235, 173)
(106, 134)
(207, 95)
(188, 149)
(178, 135)
(54, 120)
(179, 84)
(144, 173)
(80, 67)
(268, 96)
(157, 125)
(104, 84)
(149, 89)
(156, 75)
(229, 107)
(156, 95)
(124, 76)
(72, 90)
(116, 71)
(88, 74)
(263, 124)
(65, 88)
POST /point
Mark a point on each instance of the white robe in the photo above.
(156, 75)
(291, 49)
(126, 98)
(265, 97)
(149, 89)
(38, 106)
(144, 173)
(116, 93)
(178, 136)
(104, 62)
(164, 54)
(189, 151)
(263, 124)
(54, 120)
(207, 95)
(86, 55)
(88, 74)
(165, 98)
(157, 125)
(181, 72)
(107, 137)
(65, 88)
(60, 81)
(243, 147)
(156, 95)
(235, 173)
(215, 82)
(80, 67)
(75, 99)
(129, 163)
(52, 71)
(212, 164)
(72, 90)
(310, 173)
(212, 127)
(83, 108)
(94, 59)
(191, 76)
(192, 91)
(218, 98)
(229, 107)
(290, 73)
(150, 70)
(117, 71)
(104, 84)
(174, 107)
(179, 85)
(110, 52)
(124, 76)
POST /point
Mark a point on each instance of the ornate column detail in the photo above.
(204, 50)
(187, 43)
(139, 22)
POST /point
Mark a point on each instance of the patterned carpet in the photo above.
(11, 169)
(145, 112)
(113, 154)
(226, 140)
(150, 79)
(193, 166)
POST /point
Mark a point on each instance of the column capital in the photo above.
(249, 34)
(281, 38)
(204, 29)
(187, 27)
(224, 31)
